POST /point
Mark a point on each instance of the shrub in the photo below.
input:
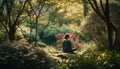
(19, 55)
(91, 58)
(94, 60)
(50, 32)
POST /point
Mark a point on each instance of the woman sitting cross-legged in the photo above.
(67, 45)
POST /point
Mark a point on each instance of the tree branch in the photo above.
(1, 7)
(101, 4)
(4, 27)
(95, 8)
(19, 14)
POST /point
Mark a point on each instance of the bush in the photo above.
(50, 32)
(91, 58)
(19, 55)
(94, 60)
(24, 33)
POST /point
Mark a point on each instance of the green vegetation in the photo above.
(19, 55)
(93, 60)
(28, 30)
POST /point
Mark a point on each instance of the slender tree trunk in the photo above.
(109, 26)
(109, 35)
(36, 35)
(11, 33)
(30, 31)
(85, 7)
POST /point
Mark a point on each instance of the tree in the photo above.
(11, 12)
(39, 8)
(104, 14)
(15, 12)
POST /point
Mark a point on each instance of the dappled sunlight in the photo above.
(86, 20)
(34, 1)
(74, 13)
(22, 53)
(74, 27)
(32, 34)
(52, 52)
(89, 46)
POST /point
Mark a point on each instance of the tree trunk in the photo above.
(36, 35)
(105, 16)
(109, 26)
(85, 7)
(11, 33)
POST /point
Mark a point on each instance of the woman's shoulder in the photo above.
(66, 41)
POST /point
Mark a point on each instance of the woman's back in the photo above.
(66, 46)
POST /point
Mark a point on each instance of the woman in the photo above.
(67, 45)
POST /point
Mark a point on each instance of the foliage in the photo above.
(16, 12)
(50, 32)
(93, 60)
(39, 11)
(73, 38)
(97, 30)
(23, 32)
(115, 19)
(2, 36)
(52, 52)
(65, 14)
(57, 16)
(99, 34)
(20, 55)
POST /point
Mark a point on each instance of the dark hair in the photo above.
(66, 36)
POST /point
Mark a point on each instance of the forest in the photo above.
(32, 32)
